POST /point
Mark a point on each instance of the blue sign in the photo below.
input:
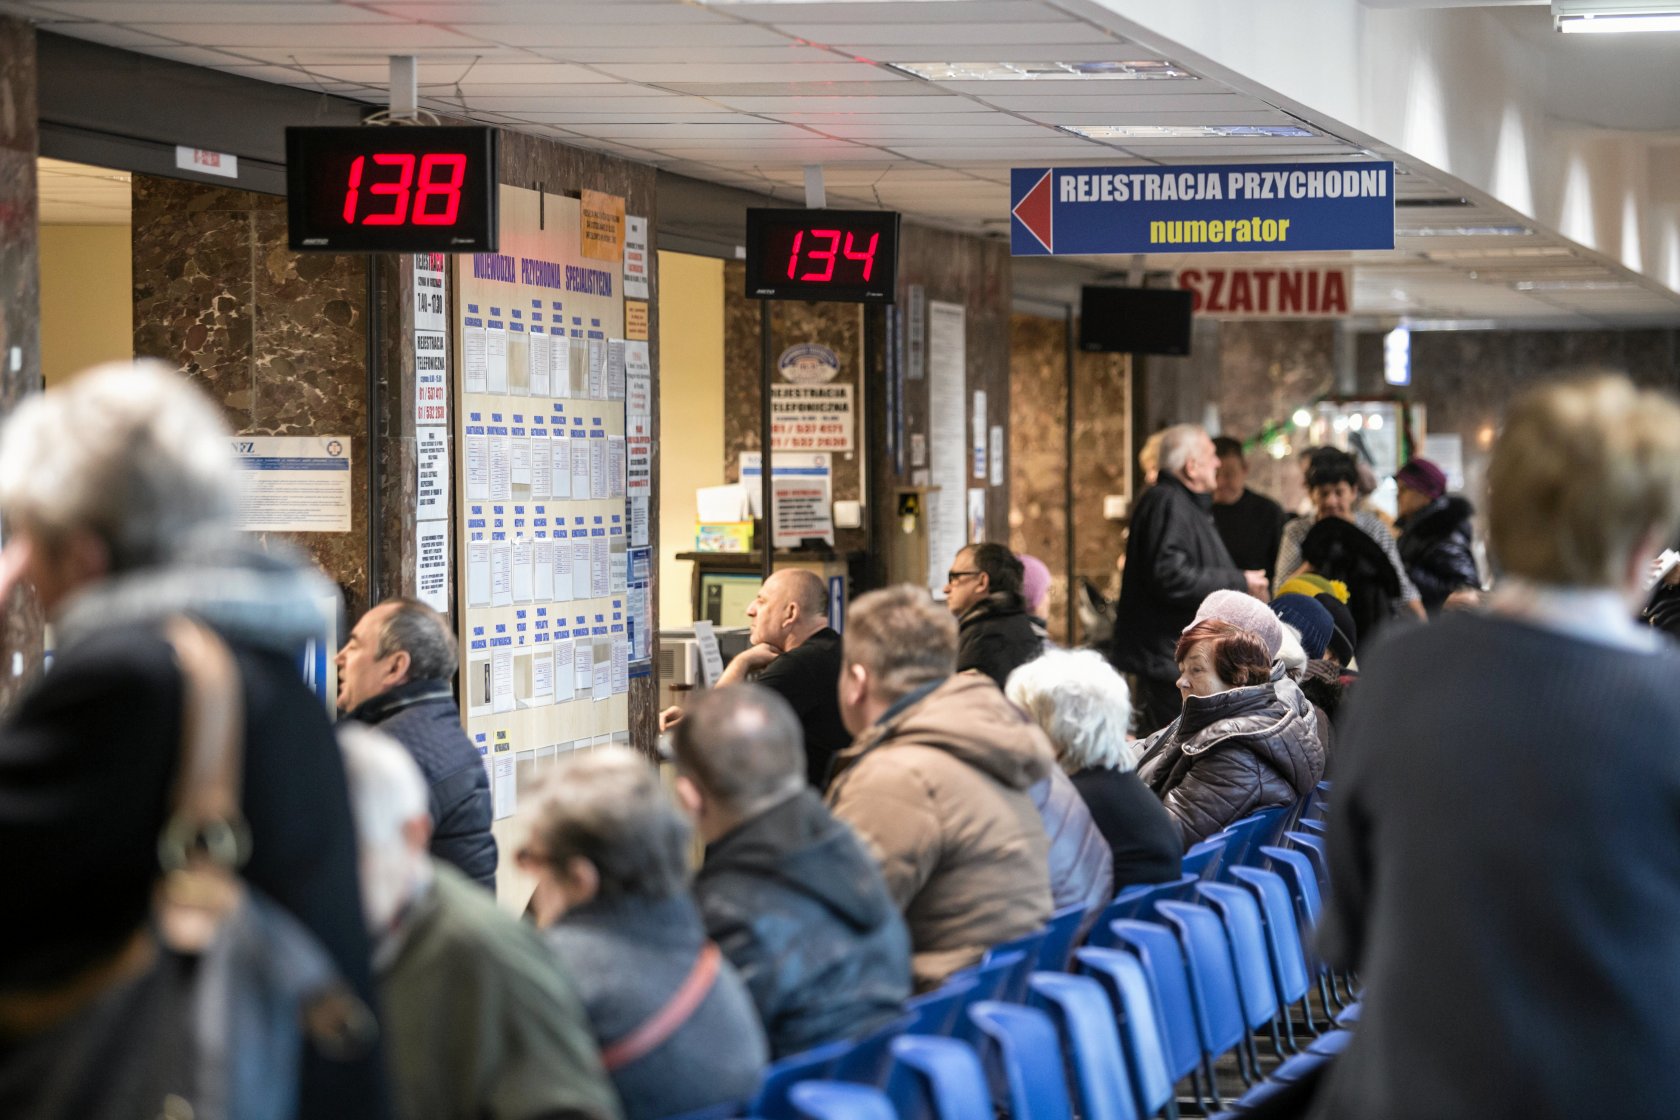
(1230, 208)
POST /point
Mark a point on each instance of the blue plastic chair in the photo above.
(1297, 873)
(1283, 943)
(1060, 934)
(1024, 950)
(936, 1012)
(1085, 1020)
(1136, 903)
(866, 1062)
(1315, 826)
(835, 1100)
(1213, 984)
(1250, 832)
(1313, 845)
(1156, 949)
(1123, 977)
(1203, 859)
(1022, 1047)
(771, 1101)
(937, 1079)
(1000, 977)
(1246, 934)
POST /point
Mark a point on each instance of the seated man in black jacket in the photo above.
(995, 633)
(787, 892)
(394, 674)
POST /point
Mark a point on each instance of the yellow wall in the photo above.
(87, 298)
(690, 415)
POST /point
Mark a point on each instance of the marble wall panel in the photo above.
(20, 302)
(277, 338)
(1267, 370)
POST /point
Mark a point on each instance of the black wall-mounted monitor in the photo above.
(392, 190)
(841, 256)
(1134, 320)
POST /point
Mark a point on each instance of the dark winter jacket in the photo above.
(1174, 560)
(628, 955)
(1142, 836)
(996, 636)
(1435, 545)
(1233, 754)
(800, 909)
(87, 767)
(421, 715)
(1081, 865)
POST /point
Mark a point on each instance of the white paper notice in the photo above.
(431, 452)
(620, 664)
(520, 462)
(602, 683)
(638, 521)
(504, 791)
(477, 684)
(431, 377)
(635, 257)
(564, 568)
(615, 466)
(978, 446)
(501, 679)
(600, 574)
(565, 677)
(518, 362)
(431, 564)
(615, 369)
(559, 464)
(597, 468)
(540, 361)
(542, 570)
(501, 574)
(474, 345)
(597, 369)
(583, 664)
(524, 577)
(560, 365)
(580, 465)
(711, 658)
(294, 483)
(478, 464)
(495, 360)
(541, 465)
(478, 573)
(997, 455)
(947, 513)
(542, 676)
(501, 465)
(638, 390)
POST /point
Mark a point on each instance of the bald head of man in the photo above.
(790, 607)
(738, 751)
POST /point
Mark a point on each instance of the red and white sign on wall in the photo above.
(1268, 293)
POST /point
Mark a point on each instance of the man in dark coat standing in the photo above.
(393, 674)
(995, 632)
(787, 892)
(1174, 559)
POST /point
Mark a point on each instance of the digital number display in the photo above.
(848, 256)
(392, 190)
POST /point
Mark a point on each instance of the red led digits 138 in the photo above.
(436, 202)
(828, 254)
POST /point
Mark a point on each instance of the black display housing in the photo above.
(837, 256)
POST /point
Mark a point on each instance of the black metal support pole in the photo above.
(766, 362)
(1067, 475)
(375, 506)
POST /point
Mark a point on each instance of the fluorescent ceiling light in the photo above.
(1137, 70)
(1465, 231)
(1415, 325)
(1572, 285)
(1609, 17)
(1182, 131)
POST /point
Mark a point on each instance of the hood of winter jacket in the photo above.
(270, 600)
(1275, 720)
(968, 717)
(802, 848)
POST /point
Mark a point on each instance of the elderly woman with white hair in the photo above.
(1084, 707)
(118, 491)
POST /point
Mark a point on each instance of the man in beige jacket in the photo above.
(936, 783)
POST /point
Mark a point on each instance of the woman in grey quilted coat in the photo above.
(1244, 742)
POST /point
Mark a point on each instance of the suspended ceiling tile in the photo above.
(378, 35)
(138, 14)
(863, 36)
(729, 129)
(456, 13)
(794, 106)
(887, 12)
(1040, 101)
(648, 52)
(111, 35)
(574, 36)
(1094, 50)
(788, 76)
(1000, 130)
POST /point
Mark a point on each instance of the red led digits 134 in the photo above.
(436, 202)
(828, 254)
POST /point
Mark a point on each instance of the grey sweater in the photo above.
(1505, 856)
(627, 957)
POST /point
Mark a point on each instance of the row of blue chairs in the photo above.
(1172, 978)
